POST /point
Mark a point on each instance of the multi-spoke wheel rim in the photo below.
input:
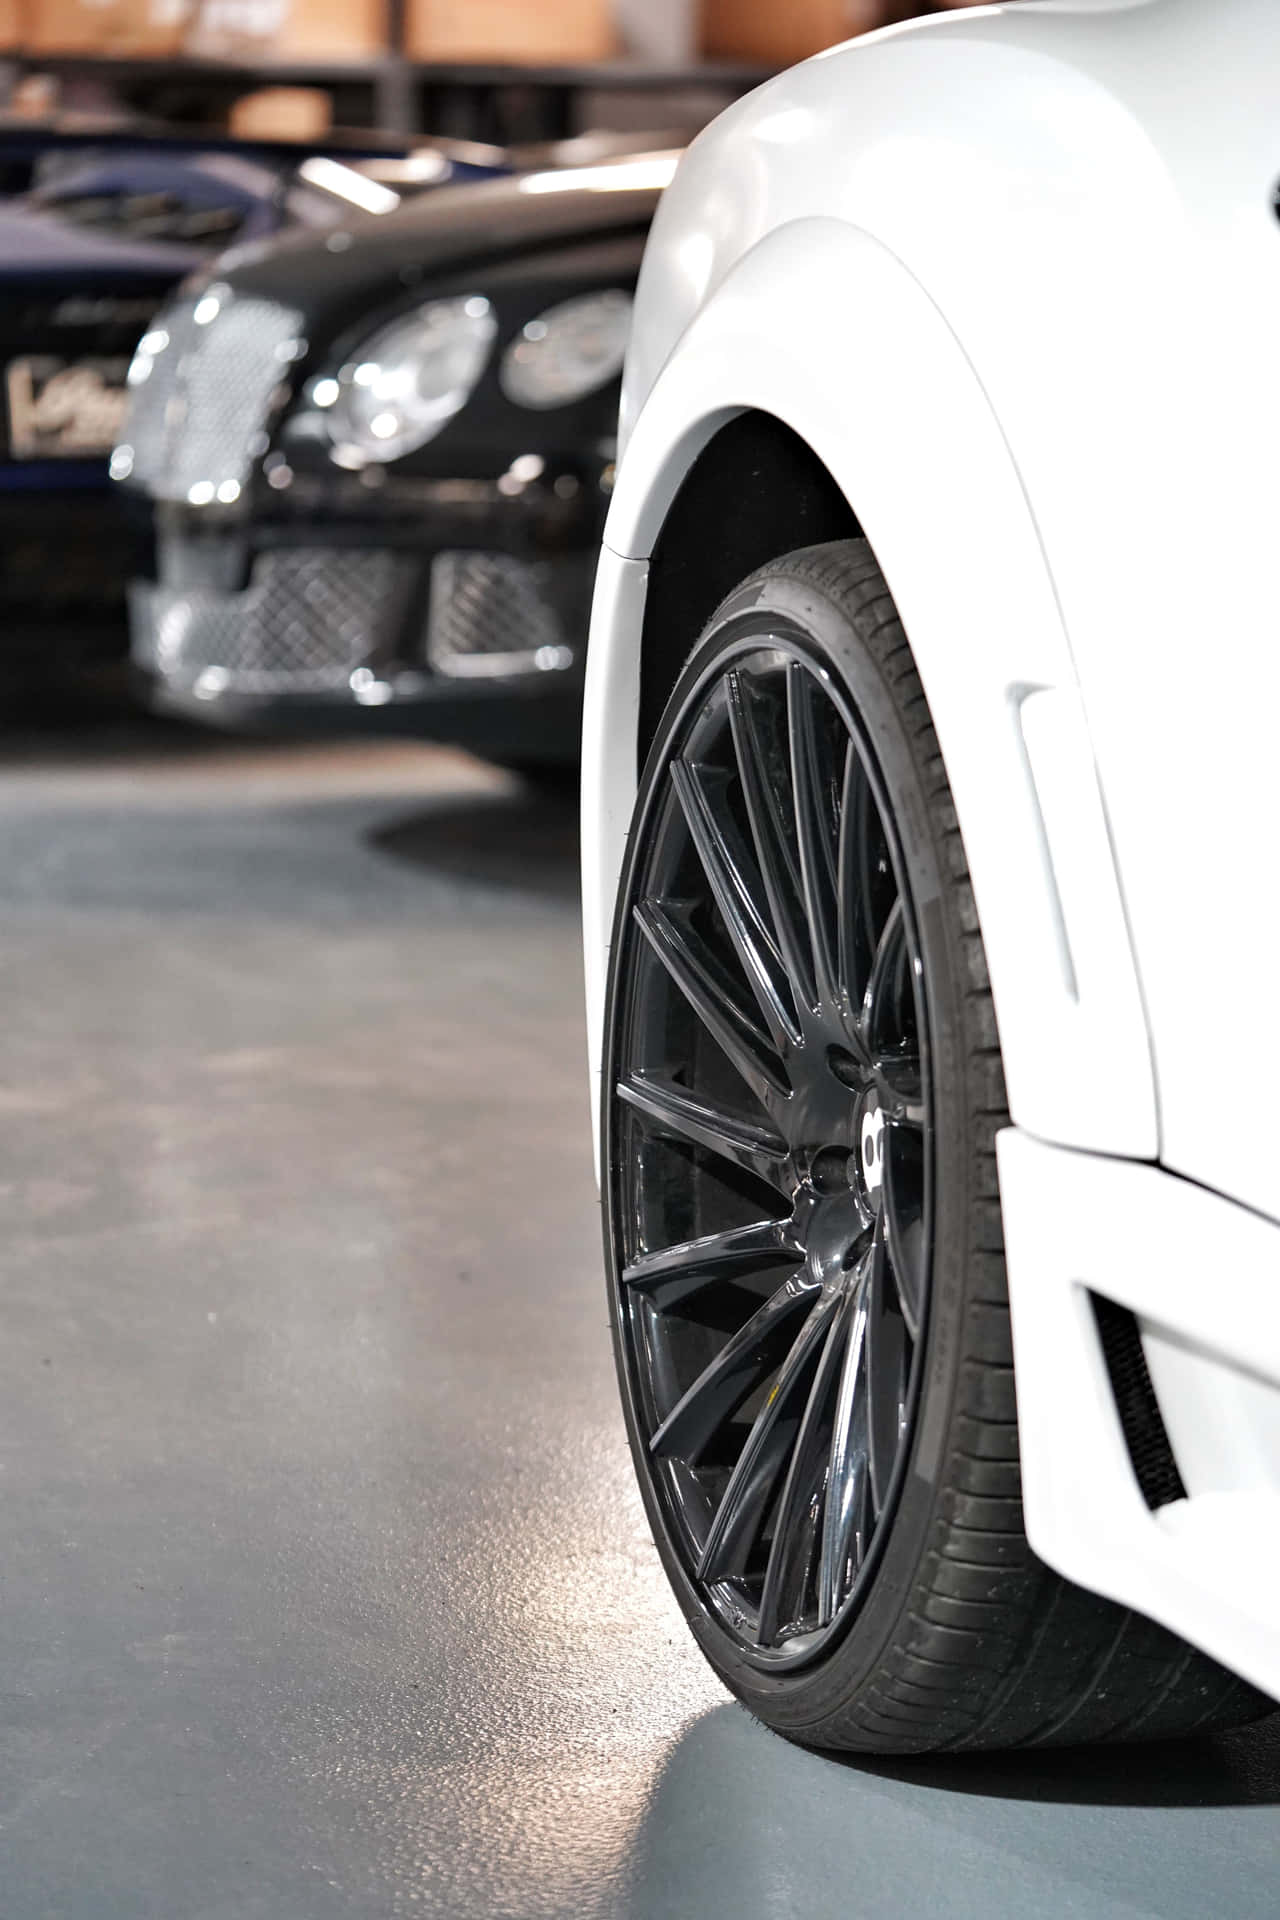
(771, 1149)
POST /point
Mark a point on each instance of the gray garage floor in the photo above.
(323, 1587)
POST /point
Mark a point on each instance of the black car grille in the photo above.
(198, 402)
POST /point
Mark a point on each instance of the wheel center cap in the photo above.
(871, 1143)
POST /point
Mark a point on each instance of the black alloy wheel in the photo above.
(775, 1148)
(810, 1318)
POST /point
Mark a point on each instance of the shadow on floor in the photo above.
(523, 841)
(1240, 1769)
(47, 728)
(741, 1822)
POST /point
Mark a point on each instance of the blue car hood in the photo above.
(37, 247)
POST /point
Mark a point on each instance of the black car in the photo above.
(99, 225)
(379, 461)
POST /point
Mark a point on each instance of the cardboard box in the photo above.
(288, 29)
(334, 29)
(105, 26)
(780, 32)
(282, 113)
(533, 31)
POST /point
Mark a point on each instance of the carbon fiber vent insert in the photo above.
(1140, 1418)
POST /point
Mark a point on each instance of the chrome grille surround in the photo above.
(201, 394)
(307, 620)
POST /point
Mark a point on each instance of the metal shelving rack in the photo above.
(504, 104)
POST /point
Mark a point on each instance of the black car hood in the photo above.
(323, 274)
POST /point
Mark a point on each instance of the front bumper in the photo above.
(1202, 1276)
(464, 642)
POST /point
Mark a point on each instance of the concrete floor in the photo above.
(323, 1586)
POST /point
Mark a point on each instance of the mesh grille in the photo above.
(1144, 1429)
(306, 621)
(191, 422)
(491, 614)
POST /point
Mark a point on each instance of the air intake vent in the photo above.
(1136, 1403)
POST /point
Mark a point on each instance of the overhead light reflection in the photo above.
(356, 188)
(654, 170)
(787, 126)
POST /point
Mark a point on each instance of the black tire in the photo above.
(957, 1636)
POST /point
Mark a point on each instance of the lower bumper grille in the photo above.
(304, 624)
(491, 615)
(311, 617)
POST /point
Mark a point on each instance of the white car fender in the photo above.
(908, 435)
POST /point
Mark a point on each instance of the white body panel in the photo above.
(915, 446)
(1014, 276)
(1207, 1566)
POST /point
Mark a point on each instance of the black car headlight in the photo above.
(568, 351)
(408, 380)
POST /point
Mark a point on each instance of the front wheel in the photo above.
(807, 1283)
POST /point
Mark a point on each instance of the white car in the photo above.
(931, 865)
